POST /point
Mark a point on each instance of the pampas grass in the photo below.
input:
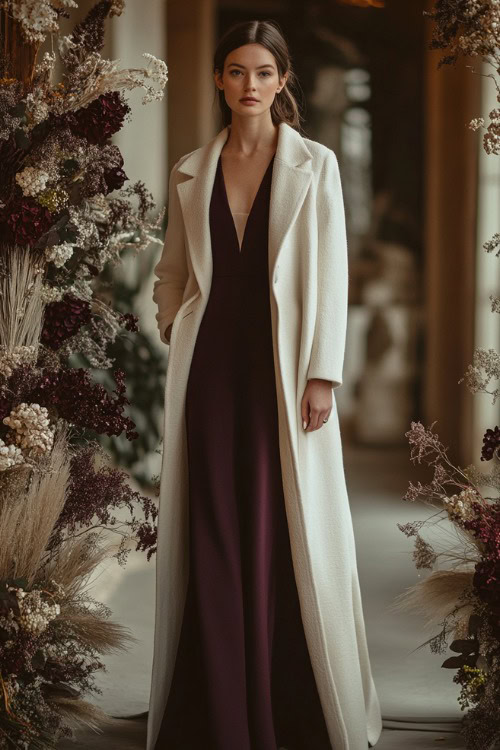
(21, 303)
(72, 566)
(26, 522)
(32, 499)
(97, 632)
(436, 597)
(75, 560)
(78, 713)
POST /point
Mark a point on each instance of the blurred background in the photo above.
(421, 197)
(414, 179)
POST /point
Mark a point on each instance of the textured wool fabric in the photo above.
(308, 282)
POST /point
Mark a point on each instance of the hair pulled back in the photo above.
(268, 33)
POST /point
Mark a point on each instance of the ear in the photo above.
(217, 79)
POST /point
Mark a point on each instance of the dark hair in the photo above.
(268, 33)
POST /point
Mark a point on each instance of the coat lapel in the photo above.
(290, 181)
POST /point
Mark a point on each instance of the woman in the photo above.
(259, 633)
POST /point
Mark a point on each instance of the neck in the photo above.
(248, 135)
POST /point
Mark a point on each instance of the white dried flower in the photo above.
(117, 7)
(51, 293)
(10, 455)
(37, 109)
(493, 244)
(37, 17)
(65, 43)
(31, 428)
(59, 254)
(9, 360)
(158, 72)
(485, 368)
(46, 65)
(476, 123)
(36, 613)
(491, 139)
(82, 221)
(459, 507)
(83, 289)
(56, 651)
(98, 76)
(32, 180)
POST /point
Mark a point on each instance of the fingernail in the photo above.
(304, 424)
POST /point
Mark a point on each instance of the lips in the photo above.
(248, 99)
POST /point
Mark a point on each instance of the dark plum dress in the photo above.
(243, 679)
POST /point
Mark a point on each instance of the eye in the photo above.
(265, 73)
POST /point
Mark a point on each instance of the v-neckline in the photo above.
(235, 231)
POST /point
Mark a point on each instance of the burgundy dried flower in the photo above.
(11, 156)
(129, 321)
(70, 392)
(107, 160)
(486, 582)
(486, 527)
(88, 35)
(491, 441)
(114, 179)
(100, 119)
(91, 268)
(63, 319)
(5, 407)
(16, 389)
(27, 220)
(96, 492)
(486, 579)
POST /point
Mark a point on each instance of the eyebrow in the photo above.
(267, 65)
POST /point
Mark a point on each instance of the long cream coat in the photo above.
(308, 277)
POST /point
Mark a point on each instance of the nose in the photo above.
(249, 84)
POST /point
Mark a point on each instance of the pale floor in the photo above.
(418, 698)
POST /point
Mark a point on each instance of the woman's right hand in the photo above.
(168, 331)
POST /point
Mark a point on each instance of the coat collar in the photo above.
(291, 150)
(291, 178)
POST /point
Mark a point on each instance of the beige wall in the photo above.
(487, 329)
(143, 140)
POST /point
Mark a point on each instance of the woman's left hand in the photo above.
(316, 403)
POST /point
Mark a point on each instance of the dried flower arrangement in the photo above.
(59, 229)
(465, 598)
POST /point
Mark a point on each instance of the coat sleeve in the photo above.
(171, 270)
(327, 354)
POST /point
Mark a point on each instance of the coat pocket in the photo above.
(189, 305)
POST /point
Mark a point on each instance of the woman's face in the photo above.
(250, 71)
